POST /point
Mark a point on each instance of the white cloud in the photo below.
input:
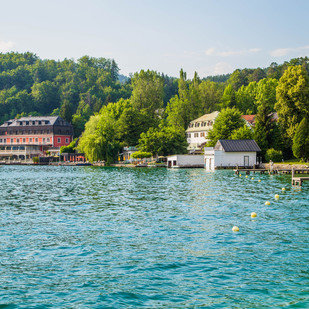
(213, 52)
(222, 68)
(6, 46)
(210, 51)
(239, 52)
(280, 52)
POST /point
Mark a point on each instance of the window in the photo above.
(17, 140)
(40, 122)
(48, 139)
(195, 134)
(33, 122)
(0, 140)
(27, 123)
(67, 140)
(36, 140)
(24, 140)
(188, 135)
(12, 141)
(202, 134)
(29, 131)
(59, 140)
(30, 140)
(4, 141)
(48, 131)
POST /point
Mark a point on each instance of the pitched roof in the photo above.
(237, 145)
(50, 120)
(249, 118)
(206, 117)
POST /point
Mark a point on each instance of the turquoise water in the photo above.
(85, 237)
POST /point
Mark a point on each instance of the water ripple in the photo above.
(84, 237)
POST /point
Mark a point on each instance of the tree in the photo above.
(163, 141)
(147, 94)
(228, 99)
(301, 140)
(292, 99)
(226, 123)
(265, 127)
(243, 132)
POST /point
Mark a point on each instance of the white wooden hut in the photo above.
(231, 153)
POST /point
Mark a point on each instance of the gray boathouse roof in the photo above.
(237, 145)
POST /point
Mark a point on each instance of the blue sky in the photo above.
(208, 36)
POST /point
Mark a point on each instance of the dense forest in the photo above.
(152, 110)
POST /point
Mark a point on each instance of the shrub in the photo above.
(35, 159)
(274, 155)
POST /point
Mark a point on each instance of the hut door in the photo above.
(246, 160)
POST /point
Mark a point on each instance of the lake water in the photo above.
(85, 237)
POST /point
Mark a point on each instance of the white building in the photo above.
(231, 153)
(179, 161)
(198, 130)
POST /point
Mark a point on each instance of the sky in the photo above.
(210, 37)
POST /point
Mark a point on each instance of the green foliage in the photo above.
(35, 159)
(141, 155)
(228, 121)
(69, 148)
(274, 155)
(301, 140)
(147, 93)
(292, 99)
(163, 141)
(243, 132)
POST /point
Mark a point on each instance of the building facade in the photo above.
(231, 153)
(198, 130)
(28, 137)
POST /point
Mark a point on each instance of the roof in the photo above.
(237, 145)
(51, 120)
(206, 117)
(249, 118)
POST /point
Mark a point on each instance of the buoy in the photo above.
(235, 229)
(239, 175)
(252, 178)
(253, 214)
(259, 180)
(267, 203)
(246, 176)
(276, 196)
(283, 189)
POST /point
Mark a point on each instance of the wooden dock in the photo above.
(297, 179)
(299, 175)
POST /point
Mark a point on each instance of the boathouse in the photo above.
(231, 153)
(182, 161)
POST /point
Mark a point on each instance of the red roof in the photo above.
(249, 118)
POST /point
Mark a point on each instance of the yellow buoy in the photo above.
(283, 189)
(276, 196)
(253, 214)
(267, 203)
(259, 180)
(240, 175)
(252, 178)
(235, 229)
(246, 176)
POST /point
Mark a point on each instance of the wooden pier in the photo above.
(297, 179)
(299, 175)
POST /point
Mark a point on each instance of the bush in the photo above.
(274, 155)
(35, 159)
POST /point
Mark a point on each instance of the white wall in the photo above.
(233, 158)
(186, 161)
